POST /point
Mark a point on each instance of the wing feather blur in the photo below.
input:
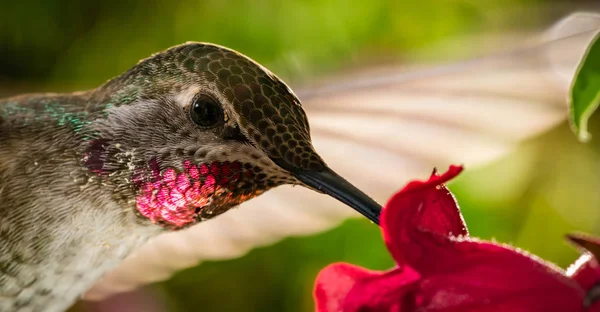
(379, 129)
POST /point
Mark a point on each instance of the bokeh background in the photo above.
(531, 198)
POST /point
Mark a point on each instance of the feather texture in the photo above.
(379, 129)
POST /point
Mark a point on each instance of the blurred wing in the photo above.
(378, 130)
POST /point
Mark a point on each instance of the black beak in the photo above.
(332, 184)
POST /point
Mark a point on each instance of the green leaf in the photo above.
(585, 90)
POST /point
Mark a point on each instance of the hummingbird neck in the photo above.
(175, 195)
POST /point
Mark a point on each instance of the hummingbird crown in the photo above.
(266, 110)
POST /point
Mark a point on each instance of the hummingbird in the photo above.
(178, 139)
(380, 126)
(165, 150)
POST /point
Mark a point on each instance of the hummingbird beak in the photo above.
(332, 184)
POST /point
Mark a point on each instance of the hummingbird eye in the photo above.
(206, 112)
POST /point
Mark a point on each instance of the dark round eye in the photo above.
(206, 112)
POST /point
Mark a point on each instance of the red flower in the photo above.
(441, 268)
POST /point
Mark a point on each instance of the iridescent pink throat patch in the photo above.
(175, 198)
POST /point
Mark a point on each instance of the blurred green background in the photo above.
(531, 198)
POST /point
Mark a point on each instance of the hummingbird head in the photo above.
(197, 129)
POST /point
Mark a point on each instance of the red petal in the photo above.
(586, 270)
(335, 282)
(441, 268)
(470, 275)
(424, 205)
(348, 288)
